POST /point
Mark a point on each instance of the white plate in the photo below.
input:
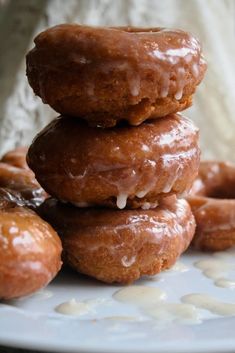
(33, 323)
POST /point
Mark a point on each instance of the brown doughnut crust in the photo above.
(94, 166)
(19, 180)
(11, 197)
(212, 200)
(30, 251)
(108, 74)
(121, 246)
(16, 157)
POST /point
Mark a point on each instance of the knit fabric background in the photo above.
(22, 114)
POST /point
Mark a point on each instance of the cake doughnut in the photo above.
(108, 74)
(16, 157)
(11, 197)
(133, 166)
(212, 200)
(30, 250)
(19, 180)
(121, 245)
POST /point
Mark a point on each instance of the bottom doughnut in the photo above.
(121, 245)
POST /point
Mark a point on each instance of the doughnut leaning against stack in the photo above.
(212, 199)
(121, 181)
(30, 250)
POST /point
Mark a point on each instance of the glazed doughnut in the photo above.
(30, 250)
(109, 74)
(19, 180)
(113, 167)
(212, 199)
(11, 197)
(121, 245)
(16, 157)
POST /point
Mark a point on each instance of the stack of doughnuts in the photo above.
(119, 158)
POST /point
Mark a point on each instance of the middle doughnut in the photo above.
(133, 166)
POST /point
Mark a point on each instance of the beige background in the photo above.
(213, 21)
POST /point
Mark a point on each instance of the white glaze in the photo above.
(168, 161)
(178, 267)
(195, 70)
(186, 56)
(151, 300)
(127, 262)
(214, 268)
(204, 301)
(74, 307)
(13, 230)
(173, 177)
(155, 227)
(149, 205)
(134, 83)
(225, 255)
(121, 318)
(171, 312)
(4, 242)
(142, 193)
(140, 295)
(121, 200)
(35, 266)
(43, 294)
(179, 93)
(225, 283)
(145, 148)
(131, 180)
(172, 56)
(165, 85)
(25, 239)
(218, 269)
(181, 82)
(37, 296)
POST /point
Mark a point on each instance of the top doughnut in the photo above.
(109, 74)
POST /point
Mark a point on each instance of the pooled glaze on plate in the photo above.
(129, 327)
(214, 305)
(218, 267)
(74, 307)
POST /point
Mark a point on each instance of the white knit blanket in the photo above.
(213, 21)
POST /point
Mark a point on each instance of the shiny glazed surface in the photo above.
(108, 74)
(212, 199)
(30, 251)
(18, 181)
(133, 166)
(16, 157)
(121, 245)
